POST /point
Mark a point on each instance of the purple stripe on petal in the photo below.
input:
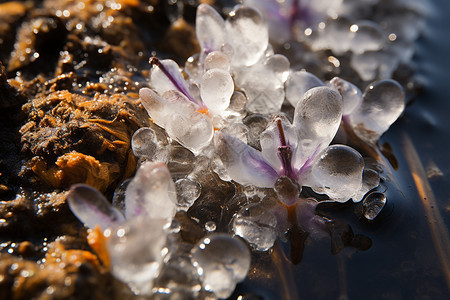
(180, 86)
(92, 208)
(308, 162)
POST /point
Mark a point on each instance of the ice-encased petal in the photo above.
(92, 208)
(155, 106)
(166, 75)
(216, 89)
(136, 252)
(193, 131)
(298, 83)
(317, 117)
(270, 140)
(248, 35)
(383, 102)
(337, 172)
(307, 218)
(151, 193)
(243, 163)
(210, 29)
(351, 94)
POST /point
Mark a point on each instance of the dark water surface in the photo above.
(403, 261)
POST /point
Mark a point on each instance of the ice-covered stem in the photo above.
(154, 61)
(285, 153)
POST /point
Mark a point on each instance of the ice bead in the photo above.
(136, 252)
(151, 193)
(263, 84)
(317, 118)
(248, 35)
(337, 172)
(194, 131)
(210, 29)
(351, 94)
(367, 37)
(373, 204)
(288, 190)
(383, 102)
(188, 191)
(298, 83)
(371, 179)
(144, 142)
(178, 280)
(221, 261)
(244, 164)
(238, 102)
(376, 64)
(216, 89)
(257, 226)
(217, 60)
(92, 208)
(339, 36)
(237, 130)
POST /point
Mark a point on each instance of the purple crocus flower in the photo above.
(298, 154)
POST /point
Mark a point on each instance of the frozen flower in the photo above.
(172, 105)
(136, 253)
(242, 40)
(298, 154)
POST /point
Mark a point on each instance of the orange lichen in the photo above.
(74, 167)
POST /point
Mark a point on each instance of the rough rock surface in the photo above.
(69, 76)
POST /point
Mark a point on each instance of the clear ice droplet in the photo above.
(187, 192)
(337, 173)
(144, 142)
(257, 226)
(383, 102)
(373, 204)
(221, 261)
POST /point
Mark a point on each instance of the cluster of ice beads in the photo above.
(232, 93)
(377, 34)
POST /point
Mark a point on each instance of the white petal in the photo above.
(243, 163)
(92, 208)
(317, 118)
(151, 193)
(210, 29)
